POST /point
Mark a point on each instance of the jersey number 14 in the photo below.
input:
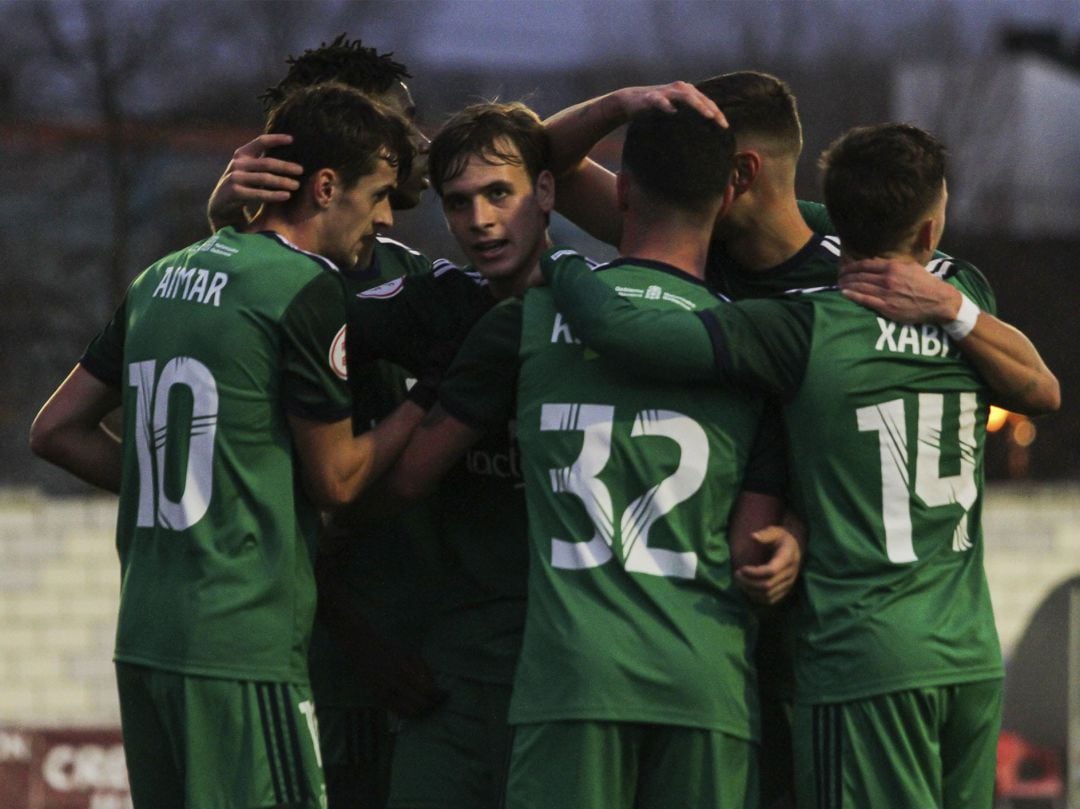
(898, 491)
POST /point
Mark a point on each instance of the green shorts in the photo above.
(356, 745)
(928, 748)
(218, 744)
(624, 765)
(456, 756)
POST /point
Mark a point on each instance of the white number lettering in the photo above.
(582, 480)
(888, 421)
(151, 435)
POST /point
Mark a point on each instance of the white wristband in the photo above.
(961, 327)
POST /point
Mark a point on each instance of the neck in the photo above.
(682, 242)
(764, 231)
(296, 226)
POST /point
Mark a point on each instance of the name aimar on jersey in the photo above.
(191, 284)
(922, 340)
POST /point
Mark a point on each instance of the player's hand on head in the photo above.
(770, 582)
(252, 179)
(899, 289)
(666, 96)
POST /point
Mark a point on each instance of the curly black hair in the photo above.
(345, 61)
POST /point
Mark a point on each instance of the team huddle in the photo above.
(698, 527)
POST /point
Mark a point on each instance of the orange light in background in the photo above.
(1023, 432)
(997, 418)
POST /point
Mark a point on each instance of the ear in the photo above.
(747, 167)
(924, 236)
(324, 186)
(725, 205)
(544, 188)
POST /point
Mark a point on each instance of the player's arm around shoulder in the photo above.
(964, 306)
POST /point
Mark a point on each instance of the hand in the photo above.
(664, 97)
(251, 177)
(770, 582)
(899, 290)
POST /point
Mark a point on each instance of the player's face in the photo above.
(407, 195)
(499, 217)
(356, 213)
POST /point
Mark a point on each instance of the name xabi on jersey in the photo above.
(922, 340)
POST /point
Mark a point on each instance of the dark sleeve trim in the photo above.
(772, 488)
(100, 371)
(721, 354)
(326, 415)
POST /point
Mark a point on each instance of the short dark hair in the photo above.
(682, 158)
(878, 181)
(345, 61)
(757, 104)
(484, 130)
(338, 127)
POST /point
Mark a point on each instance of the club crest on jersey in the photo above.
(337, 355)
(382, 291)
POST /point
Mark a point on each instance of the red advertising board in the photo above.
(72, 768)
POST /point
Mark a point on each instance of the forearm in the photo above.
(665, 345)
(1011, 366)
(574, 131)
(91, 454)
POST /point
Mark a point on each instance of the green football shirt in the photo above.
(633, 615)
(213, 346)
(886, 428)
(479, 508)
(389, 570)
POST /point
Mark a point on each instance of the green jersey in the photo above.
(479, 508)
(213, 347)
(886, 426)
(388, 571)
(633, 615)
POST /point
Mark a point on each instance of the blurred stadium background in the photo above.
(117, 118)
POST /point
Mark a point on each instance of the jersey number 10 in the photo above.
(152, 396)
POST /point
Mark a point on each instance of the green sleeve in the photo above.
(667, 345)
(762, 344)
(480, 386)
(406, 320)
(771, 336)
(104, 357)
(313, 380)
(816, 216)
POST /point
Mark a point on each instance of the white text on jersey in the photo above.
(191, 284)
(922, 340)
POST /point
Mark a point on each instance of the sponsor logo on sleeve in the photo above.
(337, 355)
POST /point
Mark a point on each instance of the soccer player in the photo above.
(375, 595)
(634, 676)
(489, 167)
(227, 357)
(769, 242)
(886, 426)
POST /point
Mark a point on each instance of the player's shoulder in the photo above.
(967, 277)
(391, 254)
